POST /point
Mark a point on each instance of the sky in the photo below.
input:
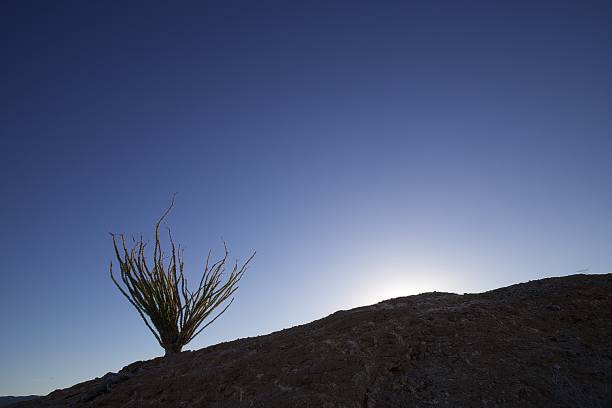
(365, 150)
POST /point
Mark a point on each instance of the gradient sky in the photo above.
(366, 150)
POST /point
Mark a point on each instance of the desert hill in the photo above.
(4, 401)
(545, 343)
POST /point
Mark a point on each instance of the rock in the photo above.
(494, 349)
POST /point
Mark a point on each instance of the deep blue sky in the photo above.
(366, 150)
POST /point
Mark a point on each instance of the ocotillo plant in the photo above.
(160, 294)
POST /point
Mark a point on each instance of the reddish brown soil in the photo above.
(545, 343)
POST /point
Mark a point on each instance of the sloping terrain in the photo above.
(545, 343)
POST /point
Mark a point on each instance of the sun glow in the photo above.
(395, 282)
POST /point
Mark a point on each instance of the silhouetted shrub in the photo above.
(160, 294)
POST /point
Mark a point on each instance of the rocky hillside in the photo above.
(545, 343)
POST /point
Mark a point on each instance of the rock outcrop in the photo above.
(545, 343)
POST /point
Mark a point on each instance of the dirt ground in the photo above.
(545, 343)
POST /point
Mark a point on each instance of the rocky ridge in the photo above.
(544, 343)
